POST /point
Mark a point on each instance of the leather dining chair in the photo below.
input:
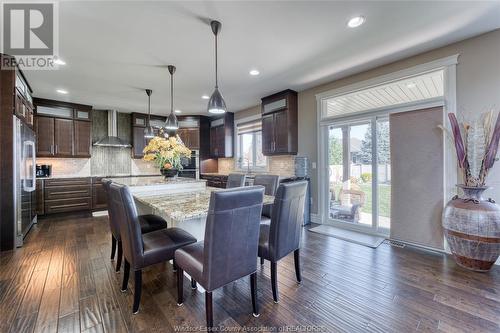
(142, 250)
(229, 250)
(147, 222)
(235, 180)
(270, 183)
(282, 236)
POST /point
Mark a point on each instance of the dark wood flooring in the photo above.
(63, 280)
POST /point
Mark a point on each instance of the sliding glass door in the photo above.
(359, 174)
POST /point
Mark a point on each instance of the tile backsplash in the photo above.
(68, 167)
(282, 165)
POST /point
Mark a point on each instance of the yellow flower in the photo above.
(149, 157)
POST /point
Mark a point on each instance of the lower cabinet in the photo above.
(219, 181)
(66, 195)
(99, 198)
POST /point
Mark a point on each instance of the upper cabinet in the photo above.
(63, 129)
(221, 136)
(279, 124)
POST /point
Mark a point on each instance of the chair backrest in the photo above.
(235, 180)
(287, 220)
(232, 235)
(125, 212)
(113, 223)
(270, 183)
(351, 197)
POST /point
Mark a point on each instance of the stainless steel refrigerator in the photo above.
(24, 179)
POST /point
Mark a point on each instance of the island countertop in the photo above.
(180, 207)
(159, 185)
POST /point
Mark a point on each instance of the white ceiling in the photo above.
(116, 49)
(412, 89)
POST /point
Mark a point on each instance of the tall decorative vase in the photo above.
(472, 228)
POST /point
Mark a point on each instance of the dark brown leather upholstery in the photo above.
(270, 183)
(229, 250)
(282, 235)
(148, 223)
(141, 250)
(235, 180)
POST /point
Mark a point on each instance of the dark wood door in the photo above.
(99, 200)
(213, 141)
(63, 137)
(83, 135)
(267, 134)
(139, 142)
(45, 136)
(221, 141)
(193, 135)
(281, 131)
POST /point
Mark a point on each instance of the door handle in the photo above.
(57, 149)
(33, 166)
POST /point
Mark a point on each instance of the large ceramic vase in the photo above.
(472, 228)
(169, 173)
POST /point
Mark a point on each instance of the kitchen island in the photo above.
(182, 202)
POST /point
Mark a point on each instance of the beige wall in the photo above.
(478, 89)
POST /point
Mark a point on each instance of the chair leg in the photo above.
(209, 310)
(180, 287)
(126, 272)
(253, 288)
(174, 266)
(193, 284)
(296, 257)
(120, 255)
(113, 247)
(137, 291)
(261, 261)
(274, 281)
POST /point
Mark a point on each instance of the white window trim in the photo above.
(449, 103)
(236, 143)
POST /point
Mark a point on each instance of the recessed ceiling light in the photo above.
(59, 61)
(411, 85)
(178, 111)
(205, 97)
(62, 91)
(254, 72)
(356, 21)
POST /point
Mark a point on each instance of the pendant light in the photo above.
(171, 125)
(149, 132)
(216, 104)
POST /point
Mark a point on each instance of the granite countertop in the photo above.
(153, 180)
(248, 175)
(184, 206)
(95, 176)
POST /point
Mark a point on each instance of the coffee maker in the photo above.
(43, 170)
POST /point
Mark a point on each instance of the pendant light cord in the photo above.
(171, 93)
(216, 78)
(149, 109)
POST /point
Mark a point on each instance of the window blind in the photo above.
(249, 127)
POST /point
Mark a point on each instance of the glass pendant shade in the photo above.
(171, 123)
(149, 132)
(216, 103)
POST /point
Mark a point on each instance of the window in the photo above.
(249, 146)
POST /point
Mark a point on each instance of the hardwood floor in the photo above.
(63, 280)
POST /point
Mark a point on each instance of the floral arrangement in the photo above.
(476, 145)
(166, 153)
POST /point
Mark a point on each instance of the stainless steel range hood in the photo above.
(112, 140)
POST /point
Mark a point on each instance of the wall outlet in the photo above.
(313, 165)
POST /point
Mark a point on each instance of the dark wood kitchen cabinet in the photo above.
(83, 138)
(138, 142)
(99, 196)
(40, 198)
(44, 127)
(63, 129)
(222, 136)
(67, 195)
(279, 123)
(190, 137)
(63, 137)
